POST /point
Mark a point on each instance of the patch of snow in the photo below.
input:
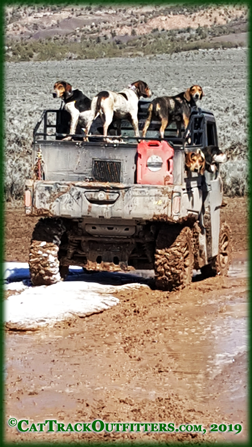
(16, 286)
(45, 305)
(36, 307)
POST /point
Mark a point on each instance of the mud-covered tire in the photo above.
(173, 258)
(44, 262)
(219, 265)
(63, 270)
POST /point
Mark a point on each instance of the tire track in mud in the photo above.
(156, 356)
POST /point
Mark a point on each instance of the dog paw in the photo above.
(67, 138)
(108, 140)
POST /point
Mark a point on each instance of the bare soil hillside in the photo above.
(37, 23)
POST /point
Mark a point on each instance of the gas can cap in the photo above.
(154, 163)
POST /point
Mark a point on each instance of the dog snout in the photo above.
(220, 158)
(54, 95)
(196, 96)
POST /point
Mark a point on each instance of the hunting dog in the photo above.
(173, 108)
(122, 105)
(213, 156)
(195, 161)
(207, 158)
(75, 102)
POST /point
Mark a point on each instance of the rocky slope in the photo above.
(56, 33)
(42, 21)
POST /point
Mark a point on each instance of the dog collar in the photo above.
(132, 87)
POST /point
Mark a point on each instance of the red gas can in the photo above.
(154, 163)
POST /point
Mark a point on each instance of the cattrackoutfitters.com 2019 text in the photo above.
(98, 426)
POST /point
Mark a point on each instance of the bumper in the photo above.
(103, 200)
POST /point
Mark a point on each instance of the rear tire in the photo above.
(63, 270)
(219, 265)
(173, 258)
(44, 262)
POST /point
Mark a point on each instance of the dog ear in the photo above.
(202, 94)
(187, 94)
(202, 169)
(68, 90)
(188, 159)
(68, 87)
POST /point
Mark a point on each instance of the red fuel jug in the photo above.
(154, 163)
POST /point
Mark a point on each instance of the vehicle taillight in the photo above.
(176, 200)
(27, 201)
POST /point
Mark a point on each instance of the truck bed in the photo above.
(96, 161)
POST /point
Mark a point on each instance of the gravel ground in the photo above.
(221, 73)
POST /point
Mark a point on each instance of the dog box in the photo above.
(154, 163)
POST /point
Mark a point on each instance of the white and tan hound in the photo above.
(122, 105)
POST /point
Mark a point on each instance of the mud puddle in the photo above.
(210, 343)
(190, 344)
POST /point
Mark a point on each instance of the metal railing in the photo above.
(116, 139)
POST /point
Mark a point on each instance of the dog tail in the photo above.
(100, 96)
(148, 120)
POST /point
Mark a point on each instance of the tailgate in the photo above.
(101, 200)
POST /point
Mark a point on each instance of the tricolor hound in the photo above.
(76, 103)
(173, 108)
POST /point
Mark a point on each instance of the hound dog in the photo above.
(75, 102)
(173, 108)
(122, 105)
(213, 156)
(206, 158)
(195, 161)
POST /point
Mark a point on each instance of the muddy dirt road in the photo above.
(176, 357)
